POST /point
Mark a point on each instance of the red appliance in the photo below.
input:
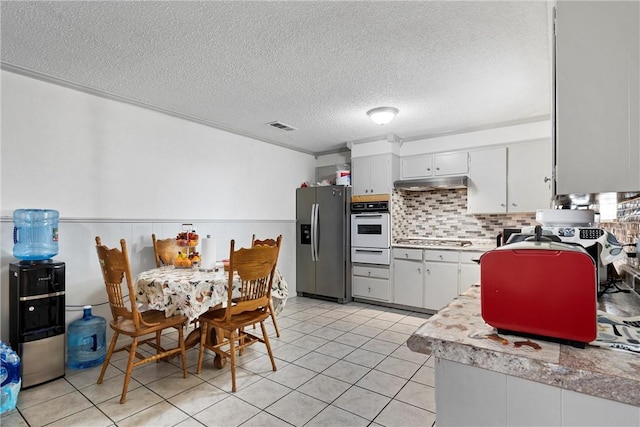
(541, 288)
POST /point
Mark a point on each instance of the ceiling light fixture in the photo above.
(382, 115)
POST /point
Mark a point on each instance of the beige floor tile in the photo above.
(343, 325)
(398, 367)
(393, 315)
(403, 415)
(231, 411)
(296, 408)
(198, 398)
(379, 323)
(292, 376)
(289, 352)
(288, 336)
(174, 384)
(109, 389)
(334, 314)
(367, 331)
(321, 320)
(346, 371)
(404, 328)
(394, 337)
(425, 375)
(43, 392)
(403, 352)
(380, 346)
(332, 416)
(263, 393)
(385, 384)
(13, 419)
(355, 318)
(327, 333)
(310, 342)
(317, 362)
(243, 379)
(160, 415)
(352, 339)
(422, 396)
(262, 365)
(265, 419)
(324, 388)
(361, 402)
(55, 409)
(137, 400)
(153, 371)
(189, 422)
(335, 349)
(372, 312)
(364, 357)
(430, 362)
(87, 377)
(80, 419)
(413, 321)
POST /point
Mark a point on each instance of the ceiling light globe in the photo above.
(382, 115)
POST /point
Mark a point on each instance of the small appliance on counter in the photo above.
(542, 288)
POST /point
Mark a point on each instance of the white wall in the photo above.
(117, 170)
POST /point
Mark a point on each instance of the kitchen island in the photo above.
(485, 378)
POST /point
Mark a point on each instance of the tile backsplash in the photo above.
(443, 214)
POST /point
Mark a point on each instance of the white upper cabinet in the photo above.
(374, 174)
(529, 176)
(511, 179)
(435, 165)
(597, 96)
(487, 191)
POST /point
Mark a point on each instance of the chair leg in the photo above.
(183, 351)
(273, 317)
(204, 327)
(158, 346)
(232, 351)
(127, 375)
(107, 359)
(266, 342)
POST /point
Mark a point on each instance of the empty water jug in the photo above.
(35, 234)
(86, 346)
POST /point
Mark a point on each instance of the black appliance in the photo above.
(37, 319)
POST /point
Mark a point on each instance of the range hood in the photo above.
(426, 184)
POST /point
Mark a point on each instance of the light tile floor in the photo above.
(338, 365)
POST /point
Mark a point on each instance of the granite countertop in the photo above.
(459, 334)
(476, 246)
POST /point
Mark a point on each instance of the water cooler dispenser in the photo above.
(37, 297)
(37, 319)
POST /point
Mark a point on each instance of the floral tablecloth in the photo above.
(192, 292)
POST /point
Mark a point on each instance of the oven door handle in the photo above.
(369, 251)
(367, 216)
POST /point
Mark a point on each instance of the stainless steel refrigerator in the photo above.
(323, 264)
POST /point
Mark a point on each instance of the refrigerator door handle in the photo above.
(314, 232)
(314, 239)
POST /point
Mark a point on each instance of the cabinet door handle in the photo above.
(437, 169)
(503, 205)
(428, 271)
(406, 255)
(513, 204)
(369, 289)
(547, 179)
(440, 256)
(428, 169)
(419, 272)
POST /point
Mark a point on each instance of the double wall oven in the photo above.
(370, 233)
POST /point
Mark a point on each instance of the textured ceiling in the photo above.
(316, 66)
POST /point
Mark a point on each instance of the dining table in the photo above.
(193, 291)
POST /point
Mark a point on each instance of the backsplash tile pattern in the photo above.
(443, 214)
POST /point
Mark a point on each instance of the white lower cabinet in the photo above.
(408, 277)
(469, 270)
(440, 278)
(371, 282)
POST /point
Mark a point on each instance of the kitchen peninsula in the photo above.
(485, 378)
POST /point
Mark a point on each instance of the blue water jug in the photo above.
(10, 377)
(35, 234)
(86, 344)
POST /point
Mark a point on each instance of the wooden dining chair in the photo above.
(255, 268)
(268, 242)
(129, 321)
(165, 250)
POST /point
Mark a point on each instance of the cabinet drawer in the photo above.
(371, 271)
(445, 256)
(469, 257)
(370, 288)
(404, 253)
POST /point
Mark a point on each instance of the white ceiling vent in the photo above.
(282, 126)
